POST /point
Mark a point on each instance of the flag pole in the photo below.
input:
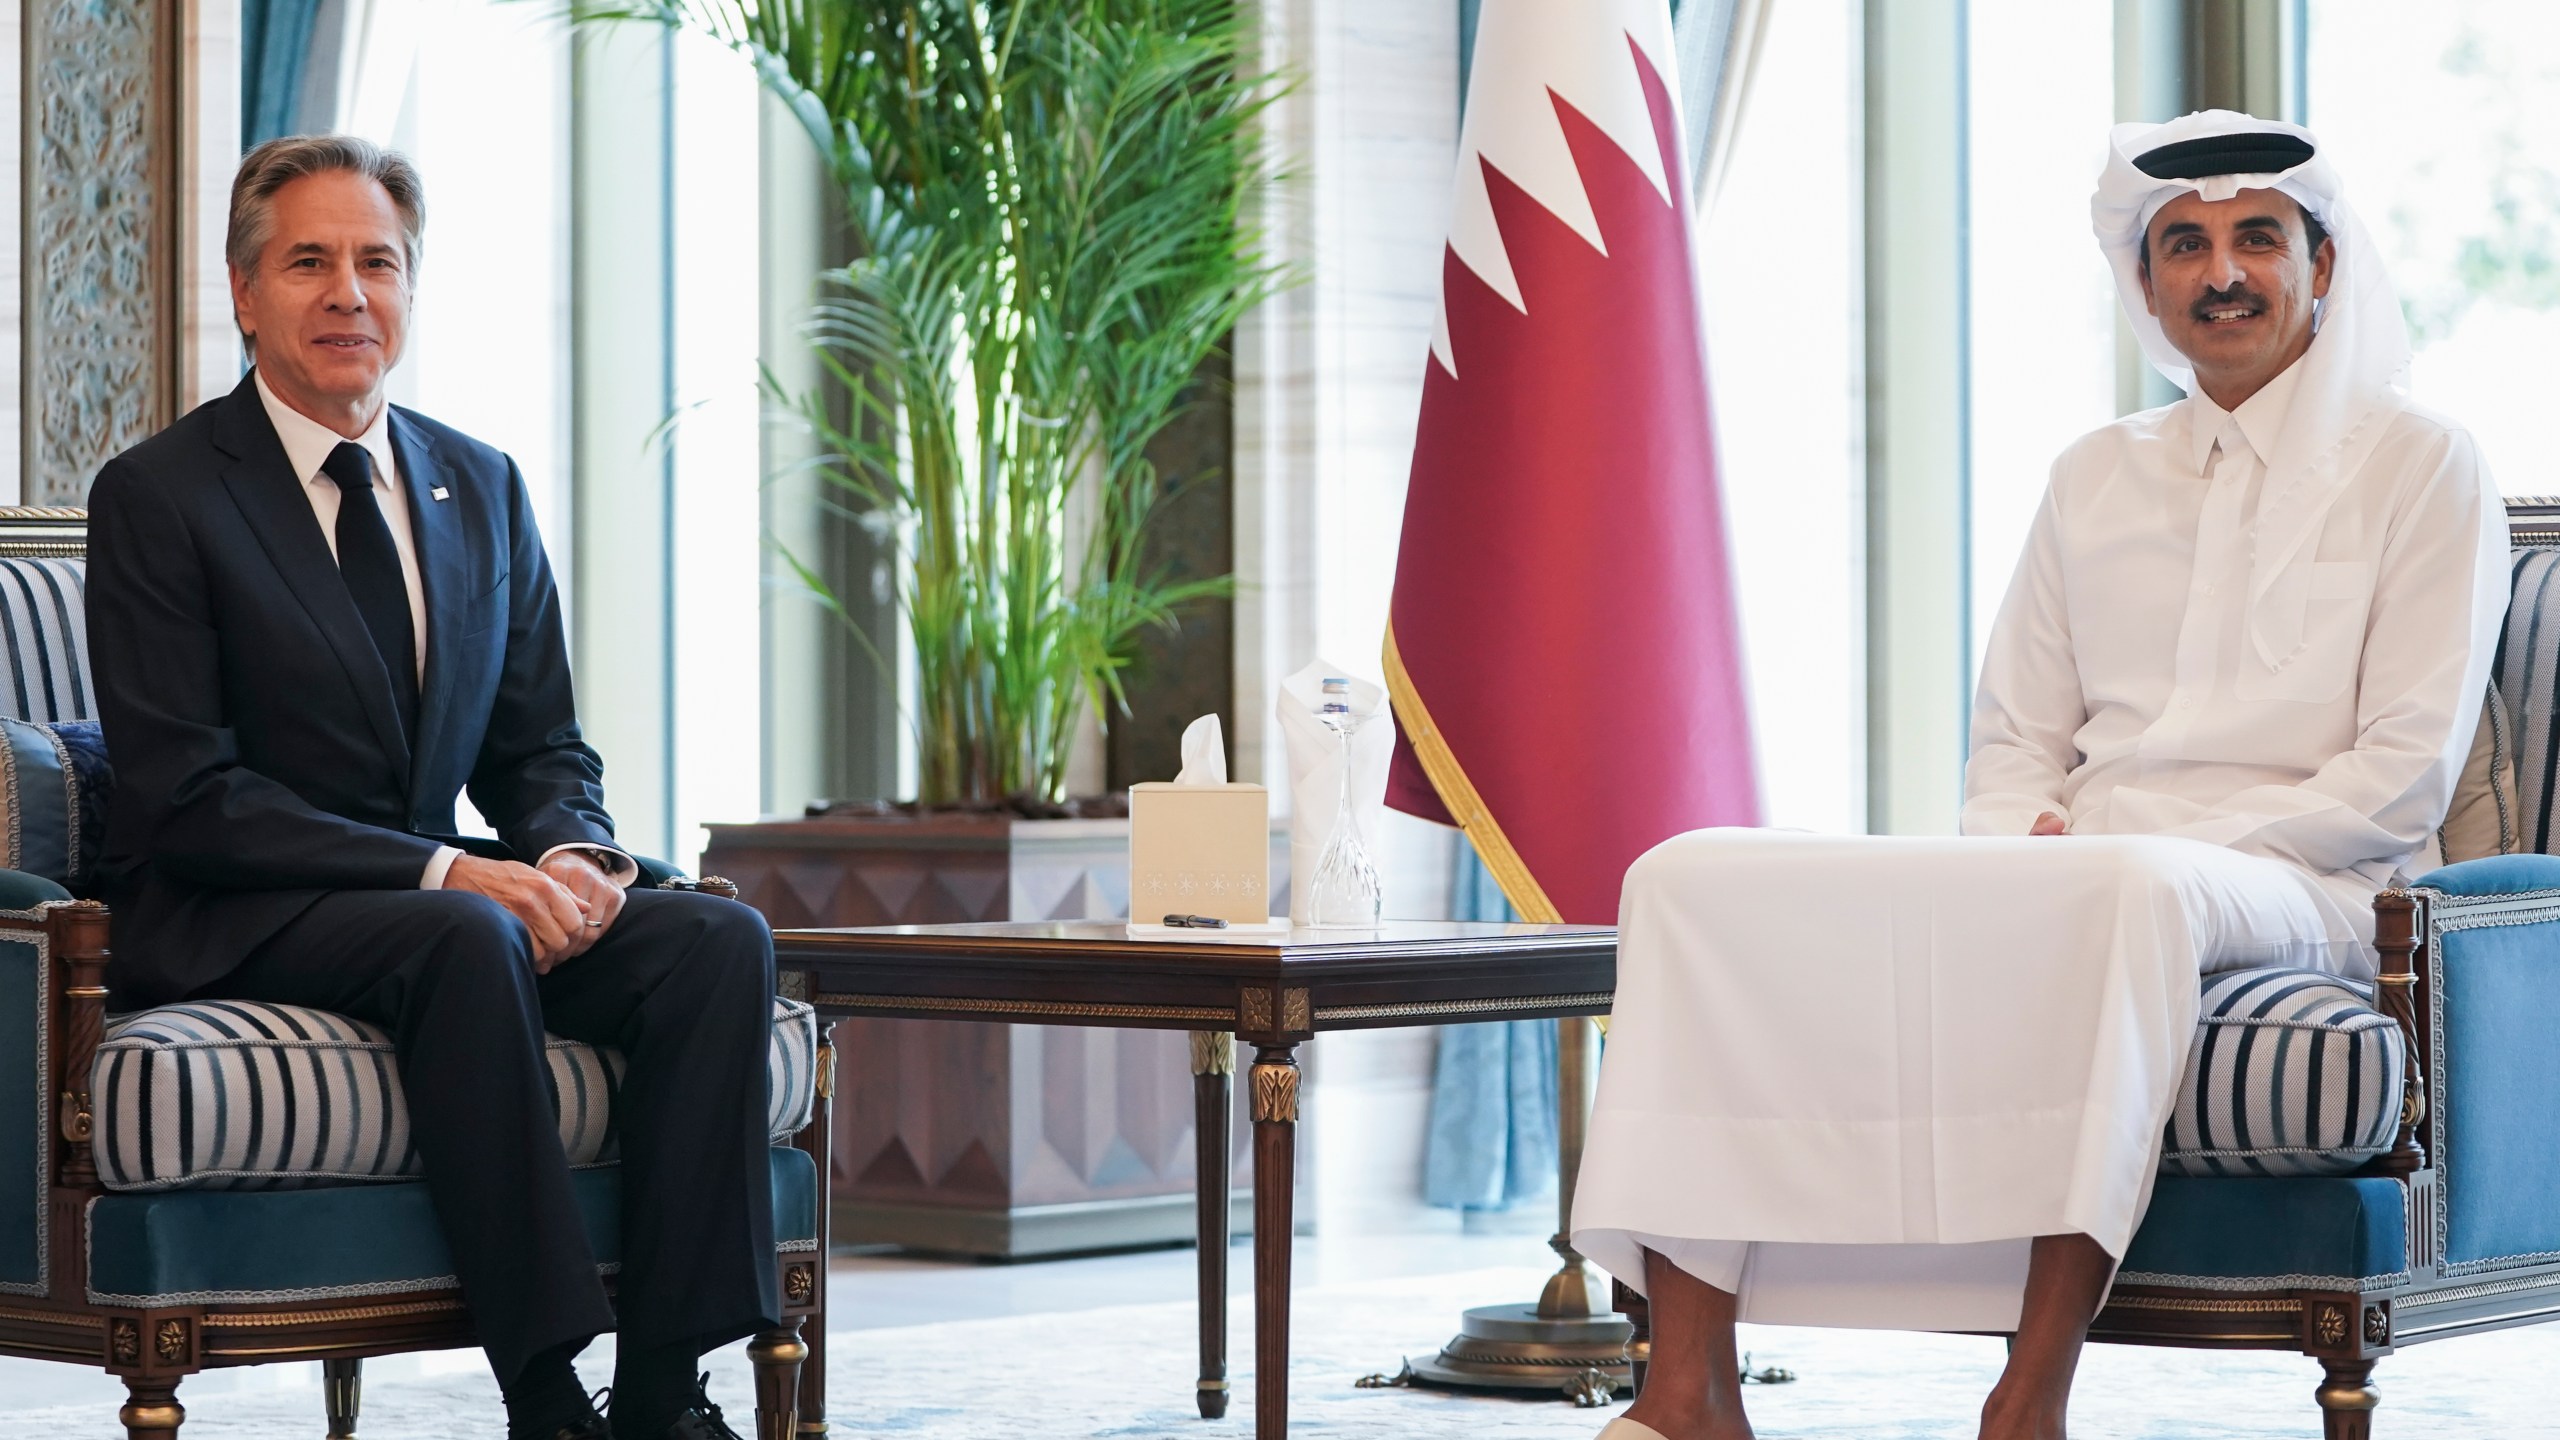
(1569, 1342)
(1573, 1293)
(1563, 539)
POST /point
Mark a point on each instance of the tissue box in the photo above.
(1199, 850)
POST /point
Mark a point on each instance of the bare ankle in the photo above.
(1719, 1418)
(2022, 1412)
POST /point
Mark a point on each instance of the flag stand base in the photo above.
(1509, 1347)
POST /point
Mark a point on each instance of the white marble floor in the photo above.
(878, 1292)
(1094, 1348)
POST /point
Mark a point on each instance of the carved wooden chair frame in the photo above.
(153, 1350)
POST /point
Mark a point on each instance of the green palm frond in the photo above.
(1051, 199)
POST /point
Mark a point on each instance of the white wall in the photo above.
(1328, 389)
(1329, 377)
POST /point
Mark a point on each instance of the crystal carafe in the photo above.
(1344, 893)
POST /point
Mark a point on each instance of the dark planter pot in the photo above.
(993, 1140)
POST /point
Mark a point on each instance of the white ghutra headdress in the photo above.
(2354, 378)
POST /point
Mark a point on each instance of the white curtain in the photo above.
(364, 54)
(1719, 44)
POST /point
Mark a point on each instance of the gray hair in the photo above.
(281, 161)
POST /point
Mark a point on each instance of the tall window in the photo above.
(2040, 99)
(717, 574)
(2444, 119)
(480, 99)
(1779, 261)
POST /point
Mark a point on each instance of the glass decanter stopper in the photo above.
(1345, 892)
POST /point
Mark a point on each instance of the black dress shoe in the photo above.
(591, 1428)
(701, 1419)
(594, 1426)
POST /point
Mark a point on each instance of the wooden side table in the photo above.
(1271, 992)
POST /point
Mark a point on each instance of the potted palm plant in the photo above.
(1052, 203)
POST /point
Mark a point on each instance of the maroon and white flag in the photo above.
(1562, 648)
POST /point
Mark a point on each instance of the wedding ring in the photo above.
(595, 924)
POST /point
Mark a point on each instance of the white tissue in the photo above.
(1315, 771)
(1204, 753)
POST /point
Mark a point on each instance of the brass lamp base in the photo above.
(1508, 1347)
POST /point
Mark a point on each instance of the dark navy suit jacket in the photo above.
(260, 758)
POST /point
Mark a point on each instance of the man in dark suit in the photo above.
(316, 618)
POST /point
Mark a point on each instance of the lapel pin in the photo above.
(441, 493)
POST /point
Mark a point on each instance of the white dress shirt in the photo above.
(2121, 688)
(307, 447)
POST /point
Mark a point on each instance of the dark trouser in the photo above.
(682, 985)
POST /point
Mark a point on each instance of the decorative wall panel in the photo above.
(102, 315)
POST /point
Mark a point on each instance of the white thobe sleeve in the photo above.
(2439, 597)
(2028, 710)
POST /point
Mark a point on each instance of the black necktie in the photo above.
(370, 564)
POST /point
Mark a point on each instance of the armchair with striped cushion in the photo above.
(231, 1183)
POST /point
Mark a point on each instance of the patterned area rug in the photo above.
(1127, 1371)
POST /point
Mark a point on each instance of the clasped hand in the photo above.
(565, 906)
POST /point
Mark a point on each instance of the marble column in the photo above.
(1328, 389)
(1328, 377)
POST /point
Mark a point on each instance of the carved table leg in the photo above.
(1275, 1178)
(2347, 1400)
(342, 1394)
(777, 1354)
(1213, 1063)
(151, 1410)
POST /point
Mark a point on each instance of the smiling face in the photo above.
(328, 302)
(2232, 282)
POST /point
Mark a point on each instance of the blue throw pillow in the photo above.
(54, 785)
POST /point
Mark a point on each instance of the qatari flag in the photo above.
(1561, 647)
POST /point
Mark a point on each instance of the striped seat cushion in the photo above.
(2293, 1073)
(44, 640)
(242, 1095)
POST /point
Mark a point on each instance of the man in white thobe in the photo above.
(1922, 1083)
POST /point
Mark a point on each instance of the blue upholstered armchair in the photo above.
(2442, 1224)
(227, 1183)
(2456, 1228)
